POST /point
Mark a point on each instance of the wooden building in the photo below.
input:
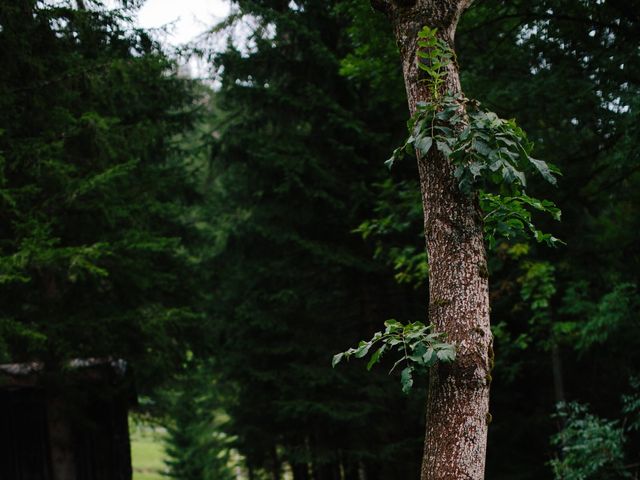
(69, 425)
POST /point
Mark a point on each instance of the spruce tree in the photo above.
(296, 147)
(97, 249)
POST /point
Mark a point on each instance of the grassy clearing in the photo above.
(147, 452)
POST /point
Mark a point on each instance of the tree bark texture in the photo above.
(458, 403)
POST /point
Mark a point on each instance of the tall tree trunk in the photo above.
(458, 403)
(275, 464)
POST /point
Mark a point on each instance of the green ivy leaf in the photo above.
(336, 359)
(423, 144)
(375, 358)
(444, 147)
(362, 350)
(447, 354)
(430, 357)
(542, 167)
(406, 379)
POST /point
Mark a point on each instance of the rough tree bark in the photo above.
(458, 403)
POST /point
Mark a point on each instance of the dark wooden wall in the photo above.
(99, 427)
(24, 446)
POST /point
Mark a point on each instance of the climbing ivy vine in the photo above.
(491, 158)
(488, 153)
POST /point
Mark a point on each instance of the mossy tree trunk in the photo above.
(458, 403)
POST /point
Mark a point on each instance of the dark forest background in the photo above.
(227, 237)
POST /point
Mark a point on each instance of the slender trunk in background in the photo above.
(458, 403)
(362, 471)
(63, 463)
(558, 380)
(275, 464)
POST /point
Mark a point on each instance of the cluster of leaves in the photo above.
(434, 57)
(397, 207)
(589, 323)
(508, 216)
(418, 345)
(538, 285)
(488, 152)
(631, 404)
(591, 447)
(537, 288)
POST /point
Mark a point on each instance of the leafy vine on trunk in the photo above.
(488, 153)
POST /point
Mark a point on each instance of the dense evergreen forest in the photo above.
(227, 237)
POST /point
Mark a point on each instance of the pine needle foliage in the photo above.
(96, 247)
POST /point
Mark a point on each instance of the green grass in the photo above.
(147, 453)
